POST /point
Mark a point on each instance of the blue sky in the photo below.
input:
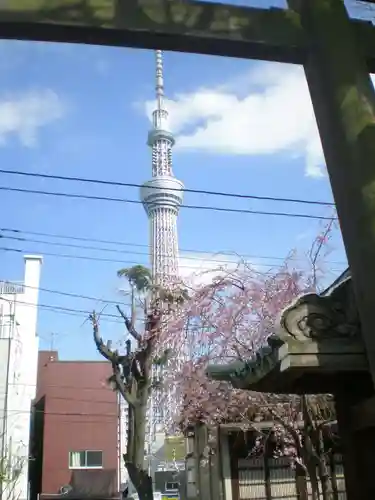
(241, 126)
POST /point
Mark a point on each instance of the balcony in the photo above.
(12, 288)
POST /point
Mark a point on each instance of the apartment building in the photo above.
(18, 375)
(76, 440)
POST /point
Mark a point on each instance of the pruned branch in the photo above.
(120, 386)
(129, 325)
(114, 359)
(104, 349)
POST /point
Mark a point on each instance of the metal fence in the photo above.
(274, 479)
(7, 288)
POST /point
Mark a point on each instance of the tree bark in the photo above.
(313, 481)
(135, 463)
(141, 481)
(324, 471)
(327, 491)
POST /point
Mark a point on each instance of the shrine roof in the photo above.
(317, 337)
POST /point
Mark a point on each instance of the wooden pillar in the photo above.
(191, 464)
(226, 471)
(203, 463)
(216, 478)
(267, 476)
(344, 103)
(357, 448)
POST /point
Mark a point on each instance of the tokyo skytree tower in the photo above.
(162, 195)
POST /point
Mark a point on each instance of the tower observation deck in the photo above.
(163, 194)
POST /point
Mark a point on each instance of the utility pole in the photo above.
(7, 330)
(52, 341)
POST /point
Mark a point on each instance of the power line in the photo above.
(103, 387)
(79, 400)
(73, 311)
(69, 310)
(229, 253)
(186, 190)
(71, 294)
(194, 207)
(80, 311)
(68, 256)
(103, 259)
(132, 252)
(99, 419)
(66, 414)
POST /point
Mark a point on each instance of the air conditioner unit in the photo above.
(65, 489)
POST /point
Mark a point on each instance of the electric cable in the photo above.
(229, 253)
(132, 252)
(194, 207)
(185, 190)
(103, 259)
(115, 318)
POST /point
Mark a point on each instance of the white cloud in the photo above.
(197, 269)
(23, 115)
(267, 111)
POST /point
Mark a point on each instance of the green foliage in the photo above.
(138, 277)
(9, 474)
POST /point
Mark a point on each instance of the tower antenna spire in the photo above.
(159, 87)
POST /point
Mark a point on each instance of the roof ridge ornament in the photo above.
(313, 317)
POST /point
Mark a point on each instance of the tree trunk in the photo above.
(141, 481)
(313, 481)
(135, 464)
(327, 491)
(324, 471)
(139, 437)
(325, 479)
(301, 481)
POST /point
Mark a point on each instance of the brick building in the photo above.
(75, 430)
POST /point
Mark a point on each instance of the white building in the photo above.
(18, 375)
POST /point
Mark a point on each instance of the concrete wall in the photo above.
(19, 319)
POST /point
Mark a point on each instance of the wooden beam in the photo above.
(179, 25)
(363, 414)
(187, 26)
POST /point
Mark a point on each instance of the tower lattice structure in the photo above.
(162, 197)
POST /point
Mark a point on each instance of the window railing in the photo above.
(7, 288)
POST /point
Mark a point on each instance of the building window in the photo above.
(88, 459)
(172, 486)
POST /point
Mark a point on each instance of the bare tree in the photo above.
(10, 471)
(132, 371)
